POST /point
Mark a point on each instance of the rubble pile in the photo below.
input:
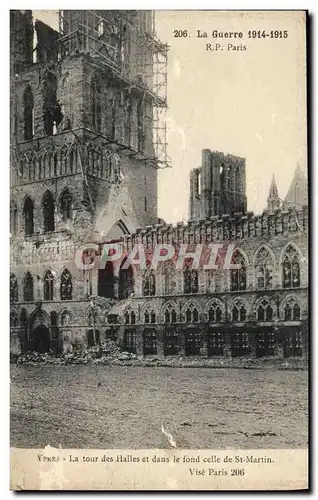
(103, 353)
(108, 352)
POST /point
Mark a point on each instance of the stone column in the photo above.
(160, 341)
(228, 344)
(279, 342)
(252, 342)
(204, 343)
(181, 341)
(139, 340)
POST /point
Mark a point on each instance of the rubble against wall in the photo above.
(109, 353)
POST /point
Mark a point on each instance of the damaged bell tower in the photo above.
(88, 135)
(88, 113)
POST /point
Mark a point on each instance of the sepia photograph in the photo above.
(158, 236)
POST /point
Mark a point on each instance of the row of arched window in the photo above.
(264, 267)
(215, 314)
(264, 313)
(49, 212)
(48, 164)
(65, 318)
(66, 287)
(118, 110)
(97, 160)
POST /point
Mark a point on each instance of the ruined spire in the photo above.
(273, 191)
(273, 201)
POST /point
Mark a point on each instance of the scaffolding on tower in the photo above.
(126, 43)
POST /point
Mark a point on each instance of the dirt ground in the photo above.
(126, 407)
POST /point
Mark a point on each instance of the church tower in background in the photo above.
(273, 201)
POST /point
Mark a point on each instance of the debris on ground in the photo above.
(108, 352)
(103, 353)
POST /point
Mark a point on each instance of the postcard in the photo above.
(159, 250)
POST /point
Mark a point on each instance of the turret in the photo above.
(273, 201)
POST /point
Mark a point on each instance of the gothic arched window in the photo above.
(28, 113)
(187, 280)
(190, 280)
(48, 212)
(192, 315)
(65, 318)
(173, 316)
(28, 288)
(238, 276)
(168, 277)
(292, 311)
(28, 216)
(13, 218)
(215, 313)
(48, 285)
(126, 318)
(264, 270)
(210, 280)
(149, 284)
(13, 288)
(195, 315)
(170, 315)
(239, 312)
(235, 313)
(52, 113)
(296, 312)
(66, 287)
(264, 311)
(150, 317)
(132, 318)
(291, 268)
(72, 160)
(129, 317)
(167, 316)
(188, 315)
(66, 205)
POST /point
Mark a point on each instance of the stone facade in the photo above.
(219, 316)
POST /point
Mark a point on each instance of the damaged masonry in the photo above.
(88, 137)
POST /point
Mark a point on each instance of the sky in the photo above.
(248, 103)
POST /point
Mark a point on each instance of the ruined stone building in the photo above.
(85, 153)
(260, 309)
(218, 186)
(86, 105)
